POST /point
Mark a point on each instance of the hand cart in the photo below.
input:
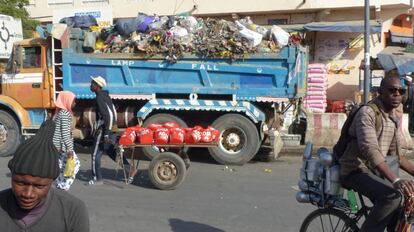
(167, 170)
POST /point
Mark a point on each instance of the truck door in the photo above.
(27, 78)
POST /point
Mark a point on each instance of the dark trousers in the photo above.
(102, 148)
(386, 200)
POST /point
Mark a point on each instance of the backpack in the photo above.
(345, 138)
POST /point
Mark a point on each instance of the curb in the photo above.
(297, 151)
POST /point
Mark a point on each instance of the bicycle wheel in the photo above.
(328, 220)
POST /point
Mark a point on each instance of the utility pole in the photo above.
(367, 66)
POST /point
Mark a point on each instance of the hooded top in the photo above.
(37, 156)
(106, 110)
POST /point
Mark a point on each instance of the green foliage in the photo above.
(16, 9)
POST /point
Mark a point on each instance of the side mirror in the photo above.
(18, 57)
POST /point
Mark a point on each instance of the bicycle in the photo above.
(319, 185)
(334, 218)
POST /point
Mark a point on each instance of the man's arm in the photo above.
(368, 142)
(106, 115)
(366, 135)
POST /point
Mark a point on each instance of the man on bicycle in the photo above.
(370, 149)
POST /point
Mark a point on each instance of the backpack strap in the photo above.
(378, 116)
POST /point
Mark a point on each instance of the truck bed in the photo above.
(274, 75)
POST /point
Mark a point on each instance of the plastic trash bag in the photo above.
(179, 31)
(206, 136)
(154, 126)
(159, 24)
(193, 135)
(140, 23)
(84, 21)
(144, 22)
(69, 167)
(279, 35)
(190, 23)
(171, 125)
(89, 42)
(145, 136)
(128, 137)
(177, 135)
(161, 136)
(253, 37)
(277, 142)
(126, 26)
(248, 23)
(58, 30)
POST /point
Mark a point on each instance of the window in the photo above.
(49, 57)
(398, 23)
(277, 21)
(59, 2)
(89, 1)
(31, 57)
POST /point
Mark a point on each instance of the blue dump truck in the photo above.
(242, 98)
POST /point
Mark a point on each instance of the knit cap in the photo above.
(37, 156)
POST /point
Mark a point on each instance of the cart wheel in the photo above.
(167, 171)
(161, 118)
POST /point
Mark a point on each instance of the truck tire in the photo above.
(10, 136)
(239, 140)
(161, 118)
(167, 171)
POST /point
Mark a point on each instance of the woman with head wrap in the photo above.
(31, 204)
(62, 138)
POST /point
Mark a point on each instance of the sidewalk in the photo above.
(298, 150)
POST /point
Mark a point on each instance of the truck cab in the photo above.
(27, 92)
(28, 74)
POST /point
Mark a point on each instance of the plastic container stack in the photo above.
(315, 99)
(168, 133)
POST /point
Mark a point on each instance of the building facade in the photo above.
(341, 51)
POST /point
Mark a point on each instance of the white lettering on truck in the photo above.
(208, 67)
(122, 62)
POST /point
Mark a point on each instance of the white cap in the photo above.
(99, 80)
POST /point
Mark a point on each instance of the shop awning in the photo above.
(396, 58)
(343, 26)
(403, 38)
(293, 27)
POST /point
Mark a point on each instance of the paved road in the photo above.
(212, 198)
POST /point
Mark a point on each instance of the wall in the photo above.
(343, 53)
(331, 48)
(42, 9)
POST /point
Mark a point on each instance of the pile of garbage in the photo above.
(174, 36)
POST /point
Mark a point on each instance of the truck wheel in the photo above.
(152, 151)
(239, 140)
(9, 134)
(167, 171)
